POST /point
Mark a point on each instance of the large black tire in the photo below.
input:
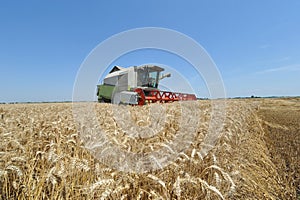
(103, 100)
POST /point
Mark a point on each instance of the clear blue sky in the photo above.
(255, 44)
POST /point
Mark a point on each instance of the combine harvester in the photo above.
(137, 86)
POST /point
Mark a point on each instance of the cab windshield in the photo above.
(147, 78)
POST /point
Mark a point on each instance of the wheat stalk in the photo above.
(16, 169)
(101, 182)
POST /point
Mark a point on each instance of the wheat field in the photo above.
(256, 155)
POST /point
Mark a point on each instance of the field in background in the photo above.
(256, 157)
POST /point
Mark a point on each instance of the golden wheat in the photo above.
(44, 156)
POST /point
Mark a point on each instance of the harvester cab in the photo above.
(136, 86)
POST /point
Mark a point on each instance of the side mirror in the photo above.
(165, 76)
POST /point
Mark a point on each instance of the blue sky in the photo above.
(255, 44)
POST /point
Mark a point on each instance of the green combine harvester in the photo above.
(137, 86)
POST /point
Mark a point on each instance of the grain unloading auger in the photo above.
(137, 86)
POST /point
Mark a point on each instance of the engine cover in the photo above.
(125, 97)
